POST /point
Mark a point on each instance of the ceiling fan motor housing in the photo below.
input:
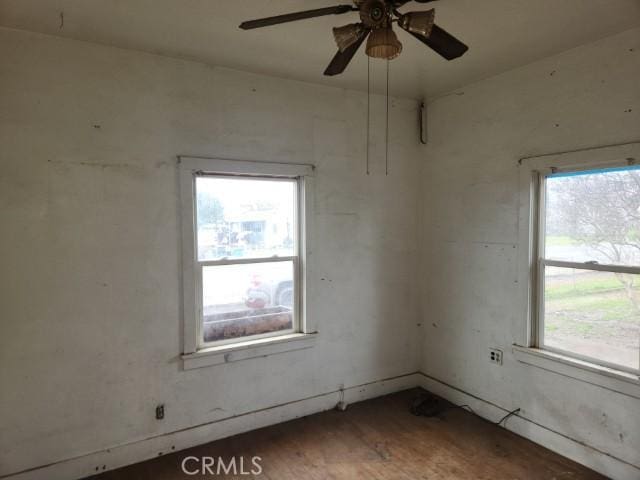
(374, 13)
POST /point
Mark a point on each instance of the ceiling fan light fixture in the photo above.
(418, 22)
(376, 19)
(347, 35)
(383, 43)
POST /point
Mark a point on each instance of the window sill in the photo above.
(614, 380)
(248, 349)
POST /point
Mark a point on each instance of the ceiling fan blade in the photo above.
(292, 17)
(342, 58)
(443, 43)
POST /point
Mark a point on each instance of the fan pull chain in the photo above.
(386, 160)
(368, 106)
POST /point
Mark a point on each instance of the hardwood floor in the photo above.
(374, 440)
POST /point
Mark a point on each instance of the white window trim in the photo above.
(526, 350)
(194, 354)
(609, 378)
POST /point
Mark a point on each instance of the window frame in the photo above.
(190, 168)
(543, 262)
(199, 265)
(533, 173)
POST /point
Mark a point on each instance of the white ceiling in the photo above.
(502, 34)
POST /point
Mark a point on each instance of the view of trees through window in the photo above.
(593, 217)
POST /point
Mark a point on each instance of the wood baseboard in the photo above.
(138, 451)
(601, 462)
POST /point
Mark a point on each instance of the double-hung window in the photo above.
(244, 251)
(586, 262)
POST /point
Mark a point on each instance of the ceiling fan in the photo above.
(376, 19)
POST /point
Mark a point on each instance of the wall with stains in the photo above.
(90, 336)
(585, 97)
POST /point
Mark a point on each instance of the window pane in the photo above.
(248, 299)
(594, 314)
(594, 216)
(245, 217)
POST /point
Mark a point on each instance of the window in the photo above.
(587, 268)
(244, 251)
(247, 256)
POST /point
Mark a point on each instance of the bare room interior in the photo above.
(376, 239)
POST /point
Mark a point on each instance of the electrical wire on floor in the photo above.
(427, 405)
(514, 412)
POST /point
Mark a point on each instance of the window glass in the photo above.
(239, 218)
(593, 311)
(247, 256)
(594, 216)
(593, 314)
(247, 299)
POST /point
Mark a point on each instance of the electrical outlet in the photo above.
(159, 412)
(495, 356)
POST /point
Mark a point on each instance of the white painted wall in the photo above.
(89, 270)
(90, 275)
(585, 97)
